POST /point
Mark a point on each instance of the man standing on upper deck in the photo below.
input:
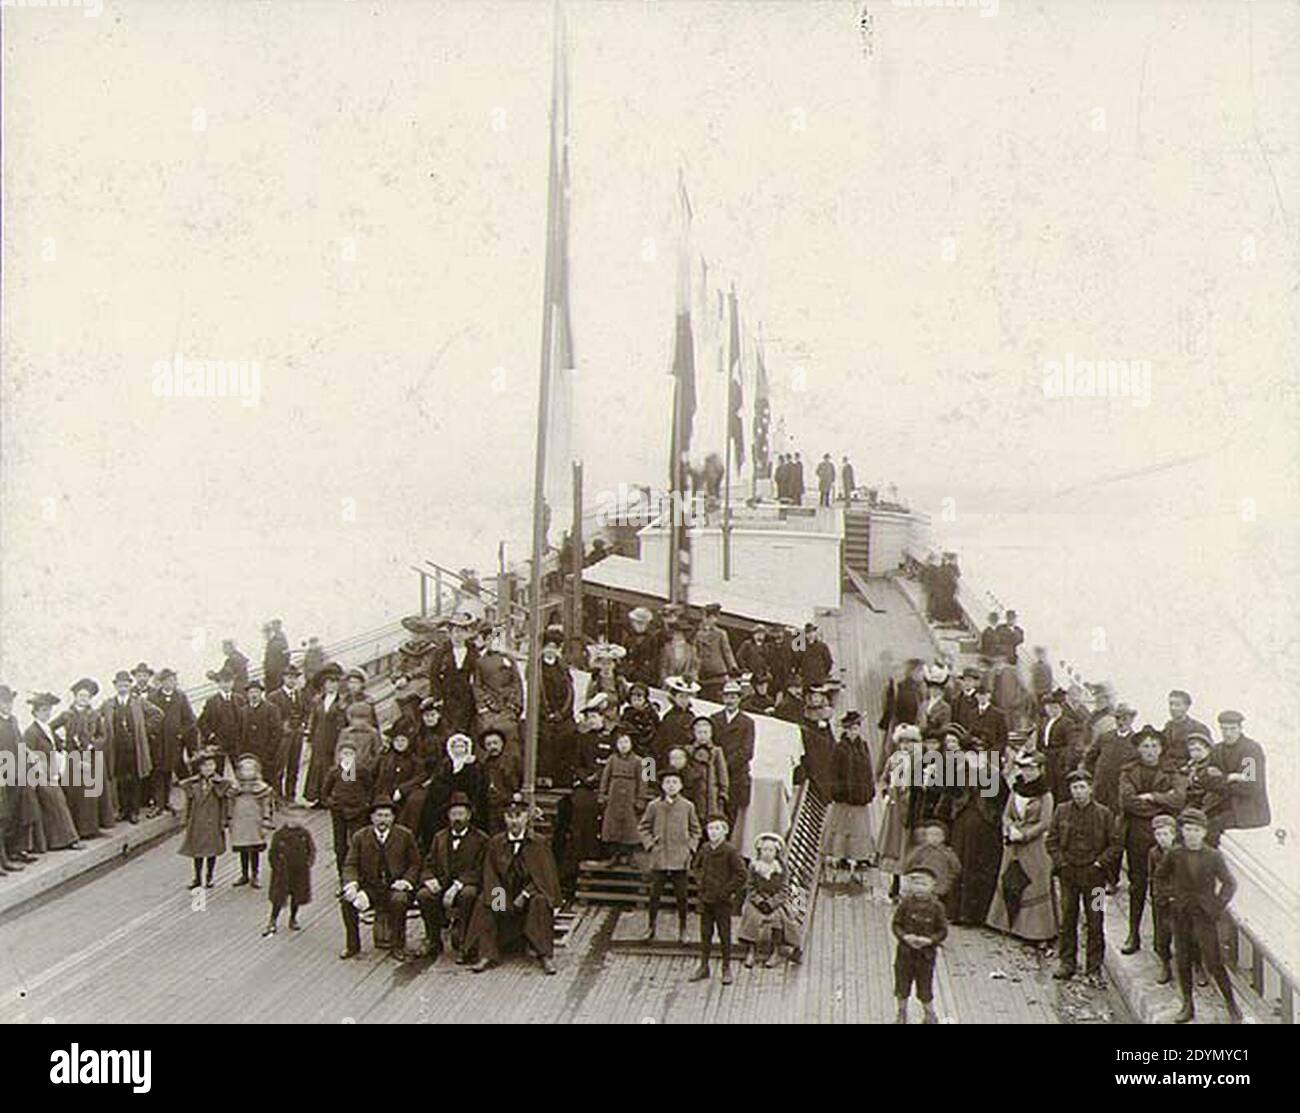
(1179, 726)
(990, 639)
(825, 481)
(275, 659)
(1242, 760)
(717, 662)
(797, 483)
(451, 674)
(1010, 637)
(847, 479)
(236, 664)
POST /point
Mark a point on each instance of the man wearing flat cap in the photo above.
(178, 736)
(1241, 759)
(452, 877)
(127, 719)
(521, 890)
(381, 871)
(1083, 842)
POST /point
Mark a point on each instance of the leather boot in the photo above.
(1187, 1012)
(1166, 975)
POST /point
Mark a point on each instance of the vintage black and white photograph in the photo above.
(661, 512)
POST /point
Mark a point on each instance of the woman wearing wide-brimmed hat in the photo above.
(55, 829)
(80, 727)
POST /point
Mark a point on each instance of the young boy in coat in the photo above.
(292, 855)
(670, 831)
(1202, 886)
(1164, 828)
(722, 875)
(346, 792)
(919, 925)
(620, 796)
(935, 853)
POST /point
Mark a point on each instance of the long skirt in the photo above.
(1035, 920)
(848, 833)
(85, 810)
(59, 830)
(107, 804)
(757, 927)
(979, 846)
(893, 836)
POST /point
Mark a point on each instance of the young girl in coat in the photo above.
(641, 720)
(896, 777)
(767, 913)
(708, 783)
(293, 853)
(207, 798)
(621, 796)
(251, 817)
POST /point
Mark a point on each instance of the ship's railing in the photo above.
(803, 857)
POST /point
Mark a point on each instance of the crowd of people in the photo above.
(1003, 803)
(1054, 794)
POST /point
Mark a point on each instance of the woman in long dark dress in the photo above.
(977, 834)
(78, 726)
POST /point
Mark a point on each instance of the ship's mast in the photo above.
(535, 610)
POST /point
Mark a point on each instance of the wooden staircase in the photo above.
(857, 543)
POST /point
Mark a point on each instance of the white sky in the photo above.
(353, 195)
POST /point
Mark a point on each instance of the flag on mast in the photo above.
(562, 451)
(735, 388)
(683, 372)
(762, 417)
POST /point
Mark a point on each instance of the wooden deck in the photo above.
(133, 944)
(130, 946)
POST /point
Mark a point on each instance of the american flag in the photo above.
(762, 420)
(735, 393)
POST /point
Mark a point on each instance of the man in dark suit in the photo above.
(1058, 741)
(452, 878)
(236, 664)
(221, 722)
(275, 658)
(521, 890)
(965, 705)
(292, 705)
(19, 808)
(989, 723)
(178, 737)
(260, 731)
(451, 674)
(815, 662)
(1241, 759)
(127, 721)
(733, 731)
(380, 872)
(753, 655)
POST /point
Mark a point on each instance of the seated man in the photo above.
(521, 890)
(381, 872)
(452, 878)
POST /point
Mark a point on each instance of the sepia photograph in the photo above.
(659, 512)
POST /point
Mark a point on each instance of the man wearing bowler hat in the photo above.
(452, 878)
(179, 736)
(260, 730)
(126, 718)
(815, 662)
(381, 872)
(292, 705)
(733, 731)
(222, 718)
(521, 890)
